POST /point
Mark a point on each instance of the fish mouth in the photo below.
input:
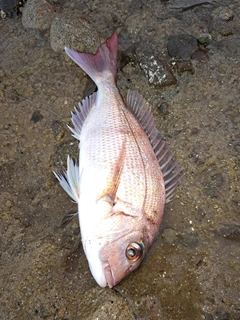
(109, 276)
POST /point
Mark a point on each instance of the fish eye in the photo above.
(134, 251)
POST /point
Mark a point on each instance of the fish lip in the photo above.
(108, 275)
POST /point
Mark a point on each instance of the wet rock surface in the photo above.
(192, 271)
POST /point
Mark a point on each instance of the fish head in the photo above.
(117, 246)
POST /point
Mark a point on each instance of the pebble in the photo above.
(184, 65)
(182, 46)
(9, 203)
(205, 39)
(37, 14)
(36, 116)
(224, 13)
(164, 108)
(200, 55)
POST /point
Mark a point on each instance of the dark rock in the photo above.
(156, 70)
(201, 55)
(11, 8)
(194, 130)
(201, 263)
(164, 108)
(36, 116)
(184, 65)
(182, 46)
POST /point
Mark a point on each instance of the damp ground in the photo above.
(192, 271)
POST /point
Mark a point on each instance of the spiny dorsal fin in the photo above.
(172, 172)
(80, 114)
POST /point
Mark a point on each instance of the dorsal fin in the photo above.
(172, 172)
(80, 114)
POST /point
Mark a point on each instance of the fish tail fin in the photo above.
(69, 179)
(102, 64)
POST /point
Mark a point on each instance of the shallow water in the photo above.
(192, 271)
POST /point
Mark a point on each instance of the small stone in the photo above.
(3, 14)
(61, 313)
(37, 14)
(182, 46)
(9, 203)
(184, 65)
(200, 55)
(36, 116)
(205, 39)
(163, 108)
(194, 130)
(226, 13)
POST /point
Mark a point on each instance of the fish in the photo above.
(125, 174)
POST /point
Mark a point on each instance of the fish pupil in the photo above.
(131, 252)
(134, 251)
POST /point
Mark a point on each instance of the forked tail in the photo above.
(101, 65)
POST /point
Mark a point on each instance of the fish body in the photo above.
(125, 172)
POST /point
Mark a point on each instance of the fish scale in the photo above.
(125, 175)
(99, 151)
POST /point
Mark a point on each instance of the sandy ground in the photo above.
(192, 271)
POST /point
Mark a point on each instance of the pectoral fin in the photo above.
(113, 180)
(69, 179)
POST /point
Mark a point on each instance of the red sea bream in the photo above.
(125, 174)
